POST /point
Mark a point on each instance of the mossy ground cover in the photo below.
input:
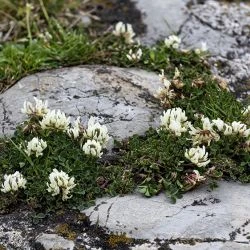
(151, 163)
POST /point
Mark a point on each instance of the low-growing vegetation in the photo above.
(52, 161)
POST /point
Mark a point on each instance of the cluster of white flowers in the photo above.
(55, 120)
(235, 128)
(13, 182)
(201, 50)
(92, 147)
(35, 146)
(124, 30)
(96, 131)
(204, 135)
(60, 182)
(76, 129)
(174, 120)
(198, 156)
(39, 109)
(134, 56)
(173, 42)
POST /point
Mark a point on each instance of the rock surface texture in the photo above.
(223, 26)
(218, 216)
(123, 99)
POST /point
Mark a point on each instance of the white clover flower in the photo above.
(173, 41)
(124, 30)
(204, 135)
(198, 156)
(238, 127)
(39, 109)
(35, 146)
(134, 56)
(55, 120)
(202, 49)
(228, 130)
(174, 120)
(60, 182)
(13, 182)
(246, 111)
(219, 124)
(96, 131)
(92, 147)
(75, 130)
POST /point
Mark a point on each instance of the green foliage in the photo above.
(63, 153)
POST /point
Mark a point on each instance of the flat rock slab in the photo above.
(121, 98)
(223, 26)
(219, 216)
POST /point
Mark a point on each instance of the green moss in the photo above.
(114, 240)
(65, 231)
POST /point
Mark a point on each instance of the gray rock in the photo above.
(212, 246)
(121, 98)
(223, 26)
(162, 17)
(218, 215)
(54, 242)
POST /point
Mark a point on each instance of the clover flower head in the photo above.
(197, 156)
(74, 131)
(136, 56)
(39, 109)
(35, 146)
(173, 42)
(219, 124)
(92, 147)
(204, 135)
(13, 182)
(55, 120)
(124, 30)
(96, 131)
(60, 182)
(238, 127)
(174, 120)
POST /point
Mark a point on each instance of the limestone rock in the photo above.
(223, 26)
(220, 215)
(123, 99)
(54, 242)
